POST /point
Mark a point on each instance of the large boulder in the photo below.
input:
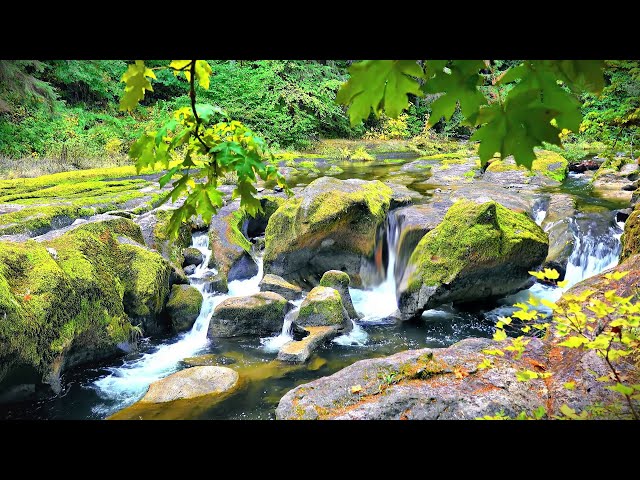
(274, 283)
(183, 307)
(331, 224)
(340, 281)
(230, 248)
(154, 226)
(479, 251)
(258, 314)
(73, 299)
(323, 307)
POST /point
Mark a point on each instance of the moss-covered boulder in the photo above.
(340, 281)
(154, 225)
(331, 224)
(323, 307)
(631, 236)
(479, 251)
(57, 311)
(183, 307)
(258, 314)
(230, 247)
(192, 256)
(548, 168)
(274, 283)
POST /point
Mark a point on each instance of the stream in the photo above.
(95, 392)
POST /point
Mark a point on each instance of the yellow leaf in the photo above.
(563, 283)
(356, 389)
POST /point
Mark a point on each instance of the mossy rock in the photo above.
(323, 307)
(258, 314)
(274, 283)
(62, 311)
(479, 251)
(183, 307)
(631, 236)
(340, 281)
(547, 163)
(331, 224)
(192, 256)
(229, 244)
(155, 225)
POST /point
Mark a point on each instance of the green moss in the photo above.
(361, 155)
(334, 170)
(236, 220)
(335, 277)
(365, 207)
(611, 165)
(450, 155)
(322, 306)
(631, 237)
(472, 233)
(76, 299)
(547, 163)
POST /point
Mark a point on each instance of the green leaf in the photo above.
(573, 342)
(620, 388)
(203, 72)
(377, 85)
(166, 178)
(526, 375)
(458, 84)
(136, 82)
(499, 335)
(570, 385)
(539, 412)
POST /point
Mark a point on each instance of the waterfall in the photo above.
(128, 382)
(592, 252)
(539, 211)
(273, 344)
(379, 303)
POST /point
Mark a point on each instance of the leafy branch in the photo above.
(540, 105)
(199, 137)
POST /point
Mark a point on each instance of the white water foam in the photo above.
(274, 344)
(130, 381)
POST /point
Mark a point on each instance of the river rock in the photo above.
(331, 224)
(479, 251)
(96, 283)
(300, 351)
(183, 307)
(401, 195)
(192, 256)
(548, 169)
(190, 270)
(258, 314)
(616, 180)
(230, 248)
(631, 236)
(340, 281)
(192, 383)
(274, 283)
(323, 307)
(154, 225)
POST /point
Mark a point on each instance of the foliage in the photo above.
(539, 106)
(609, 327)
(212, 148)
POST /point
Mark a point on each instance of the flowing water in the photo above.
(96, 392)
